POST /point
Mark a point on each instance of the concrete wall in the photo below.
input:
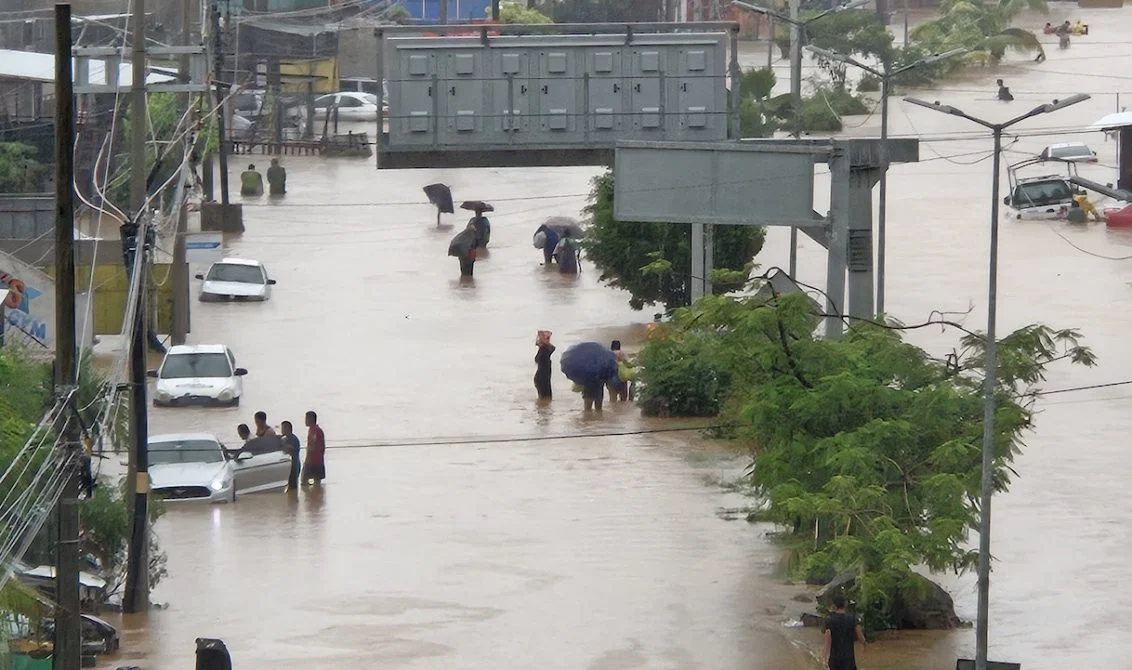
(110, 292)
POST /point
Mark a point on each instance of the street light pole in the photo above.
(797, 28)
(982, 624)
(885, 74)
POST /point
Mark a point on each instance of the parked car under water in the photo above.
(197, 467)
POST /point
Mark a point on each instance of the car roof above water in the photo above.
(182, 349)
(237, 261)
(182, 437)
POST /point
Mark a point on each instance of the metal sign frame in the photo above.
(112, 60)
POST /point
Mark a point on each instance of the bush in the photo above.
(679, 377)
(868, 83)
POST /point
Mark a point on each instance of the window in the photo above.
(242, 274)
(370, 99)
(1042, 193)
(324, 102)
(188, 451)
(184, 366)
(348, 101)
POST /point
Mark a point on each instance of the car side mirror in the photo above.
(1006, 200)
(151, 373)
(199, 275)
(240, 372)
(244, 455)
(271, 282)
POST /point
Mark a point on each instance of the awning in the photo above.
(1113, 121)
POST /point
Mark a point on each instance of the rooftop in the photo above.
(41, 67)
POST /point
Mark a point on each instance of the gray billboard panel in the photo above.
(729, 184)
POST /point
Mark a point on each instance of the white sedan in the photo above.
(196, 467)
(235, 279)
(351, 106)
(198, 374)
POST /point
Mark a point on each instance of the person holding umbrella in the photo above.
(481, 223)
(441, 196)
(591, 365)
(463, 247)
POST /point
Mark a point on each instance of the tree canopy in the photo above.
(866, 450)
(652, 261)
(20, 171)
(513, 12)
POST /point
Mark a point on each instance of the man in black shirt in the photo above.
(841, 630)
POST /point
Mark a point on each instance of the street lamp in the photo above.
(982, 622)
(796, 29)
(885, 74)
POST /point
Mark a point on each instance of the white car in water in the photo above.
(198, 374)
(351, 106)
(196, 467)
(235, 279)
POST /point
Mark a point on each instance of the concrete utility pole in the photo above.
(136, 598)
(68, 632)
(442, 18)
(221, 94)
(990, 380)
(180, 278)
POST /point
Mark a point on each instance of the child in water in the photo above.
(542, 363)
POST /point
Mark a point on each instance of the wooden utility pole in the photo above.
(68, 636)
(136, 598)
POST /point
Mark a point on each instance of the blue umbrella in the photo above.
(589, 363)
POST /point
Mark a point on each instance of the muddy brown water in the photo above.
(607, 553)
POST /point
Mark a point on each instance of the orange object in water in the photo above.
(1121, 218)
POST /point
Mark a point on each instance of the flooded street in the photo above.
(607, 553)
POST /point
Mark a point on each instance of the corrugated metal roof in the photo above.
(41, 67)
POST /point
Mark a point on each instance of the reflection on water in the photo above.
(607, 552)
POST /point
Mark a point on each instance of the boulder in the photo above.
(924, 605)
(811, 620)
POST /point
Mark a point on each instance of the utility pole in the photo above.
(136, 598)
(180, 327)
(68, 636)
(796, 104)
(442, 17)
(221, 94)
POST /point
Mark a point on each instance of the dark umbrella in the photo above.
(474, 205)
(441, 196)
(589, 363)
(564, 224)
(462, 243)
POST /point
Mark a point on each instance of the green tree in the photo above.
(106, 524)
(867, 450)
(20, 172)
(982, 27)
(163, 116)
(513, 12)
(652, 261)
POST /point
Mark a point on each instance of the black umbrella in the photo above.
(441, 196)
(589, 363)
(474, 205)
(564, 224)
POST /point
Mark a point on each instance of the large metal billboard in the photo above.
(730, 184)
(565, 99)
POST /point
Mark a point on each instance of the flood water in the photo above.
(607, 552)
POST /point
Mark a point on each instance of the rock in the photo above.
(804, 598)
(775, 610)
(923, 606)
(811, 620)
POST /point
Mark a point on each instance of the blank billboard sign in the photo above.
(729, 184)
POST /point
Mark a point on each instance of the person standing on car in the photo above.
(244, 432)
(841, 630)
(314, 468)
(261, 427)
(292, 446)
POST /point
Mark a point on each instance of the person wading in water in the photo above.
(542, 361)
(841, 630)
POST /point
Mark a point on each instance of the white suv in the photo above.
(200, 374)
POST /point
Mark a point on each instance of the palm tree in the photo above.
(982, 27)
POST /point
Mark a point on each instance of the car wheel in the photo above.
(235, 403)
(233, 498)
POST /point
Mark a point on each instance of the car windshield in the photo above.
(370, 98)
(1072, 151)
(182, 366)
(1042, 193)
(244, 274)
(185, 451)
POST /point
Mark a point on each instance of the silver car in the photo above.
(197, 467)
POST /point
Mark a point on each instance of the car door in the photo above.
(350, 108)
(266, 282)
(238, 381)
(269, 465)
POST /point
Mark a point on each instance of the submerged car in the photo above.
(1071, 152)
(198, 374)
(351, 106)
(235, 279)
(98, 636)
(196, 467)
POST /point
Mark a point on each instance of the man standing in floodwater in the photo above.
(291, 444)
(261, 427)
(314, 468)
(276, 178)
(841, 630)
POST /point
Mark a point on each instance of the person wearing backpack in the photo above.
(568, 254)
